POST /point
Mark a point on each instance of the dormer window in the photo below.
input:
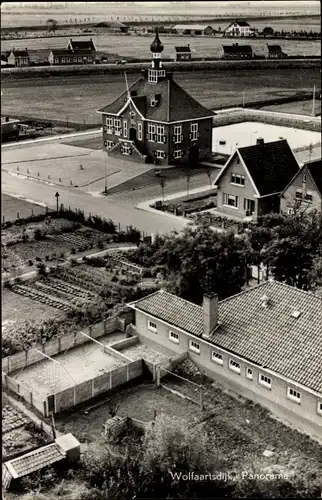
(153, 102)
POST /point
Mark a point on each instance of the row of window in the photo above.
(231, 200)
(233, 365)
(72, 59)
(299, 195)
(238, 179)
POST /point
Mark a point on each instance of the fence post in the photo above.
(127, 373)
(93, 387)
(104, 325)
(31, 398)
(59, 344)
(201, 401)
(158, 368)
(74, 395)
(90, 330)
(111, 380)
(18, 215)
(26, 357)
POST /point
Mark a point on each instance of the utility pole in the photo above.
(243, 99)
(313, 104)
(57, 196)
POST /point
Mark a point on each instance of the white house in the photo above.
(239, 28)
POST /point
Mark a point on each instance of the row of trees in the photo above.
(201, 260)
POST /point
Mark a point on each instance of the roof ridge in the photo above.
(181, 298)
(125, 92)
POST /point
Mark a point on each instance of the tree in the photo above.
(51, 25)
(268, 31)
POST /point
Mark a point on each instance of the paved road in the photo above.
(124, 213)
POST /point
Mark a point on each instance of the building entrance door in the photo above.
(132, 134)
(193, 156)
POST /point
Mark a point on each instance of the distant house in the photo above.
(75, 45)
(64, 56)
(193, 29)
(111, 27)
(182, 53)
(275, 52)
(304, 192)
(237, 51)
(19, 58)
(239, 28)
(254, 177)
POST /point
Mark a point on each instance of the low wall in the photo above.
(242, 115)
(122, 344)
(93, 387)
(27, 394)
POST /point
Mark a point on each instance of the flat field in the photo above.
(77, 98)
(139, 46)
(298, 108)
(11, 206)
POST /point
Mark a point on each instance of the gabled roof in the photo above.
(183, 49)
(236, 48)
(82, 45)
(240, 23)
(272, 48)
(35, 460)
(195, 27)
(20, 53)
(175, 104)
(271, 166)
(270, 337)
(314, 168)
(70, 53)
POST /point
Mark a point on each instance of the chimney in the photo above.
(210, 313)
(260, 140)
(264, 301)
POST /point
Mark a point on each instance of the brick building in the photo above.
(19, 58)
(182, 53)
(264, 343)
(236, 51)
(155, 120)
(65, 56)
(253, 178)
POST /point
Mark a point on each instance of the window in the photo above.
(194, 131)
(152, 326)
(304, 177)
(293, 395)
(153, 76)
(126, 150)
(177, 134)
(174, 337)
(290, 211)
(160, 154)
(249, 373)
(177, 154)
(79, 59)
(151, 132)
(217, 358)
(75, 59)
(234, 366)
(265, 381)
(57, 60)
(89, 59)
(194, 346)
(140, 131)
(108, 144)
(67, 59)
(249, 205)
(63, 59)
(319, 409)
(308, 197)
(230, 200)
(222, 143)
(117, 126)
(109, 125)
(298, 194)
(124, 128)
(238, 179)
(160, 134)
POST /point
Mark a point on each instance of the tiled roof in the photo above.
(20, 53)
(270, 337)
(183, 49)
(196, 27)
(70, 53)
(315, 169)
(233, 49)
(272, 165)
(274, 47)
(175, 104)
(35, 460)
(242, 23)
(82, 45)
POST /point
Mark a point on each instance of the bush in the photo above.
(41, 269)
(30, 262)
(73, 261)
(114, 278)
(73, 251)
(100, 243)
(39, 234)
(62, 255)
(47, 258)
(38, 259)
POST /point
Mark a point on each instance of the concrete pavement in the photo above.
(123, 213)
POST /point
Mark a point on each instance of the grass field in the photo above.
(77, 98)
(11, 206)
(299, 107)
(139, 46)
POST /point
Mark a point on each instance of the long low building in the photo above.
(264, 343)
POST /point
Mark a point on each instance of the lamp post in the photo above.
(105, 181)
(57, 196)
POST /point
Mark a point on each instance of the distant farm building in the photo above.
(237, 51)
(64, 56)
(9, 128)
(111, 27)
(182, 53)
(76, 45)
(239, 28)
(19, 58)
(193, 29)
(275, 52)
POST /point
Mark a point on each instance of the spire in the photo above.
(156, 46)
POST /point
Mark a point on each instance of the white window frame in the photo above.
(153, 76)
(117, 126)
(249, 373)
(75, 59)
(80, 59)
(160, 134)
(177, 153)
(109, 144)
(299, 194)
(193, 346)
(292, 395)
(160, 154)
(125, 129)
(177, 134)
(68, 59)
(226, 199)
(56, 60)
(263, 382)
(89, 59)
(152, 326)
(174, 337)
(140, 132)
(218, 358)
(290, 211)
(234, 366)
(319, 408)
(109, 124)
(194, 131)
(236, 177)
(63, 59)
(151, 132)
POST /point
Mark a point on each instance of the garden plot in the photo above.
(57, 286)
(76, 365)
(34, 294)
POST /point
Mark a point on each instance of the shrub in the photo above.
(73, 261)
(100, 243)
(30, 262)
(47, 258)
(41, 269)
(114, 278)
(62, 255)
(39, 235)
(38, 259)
(73, 251)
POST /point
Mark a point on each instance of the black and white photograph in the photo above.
(161, 250)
